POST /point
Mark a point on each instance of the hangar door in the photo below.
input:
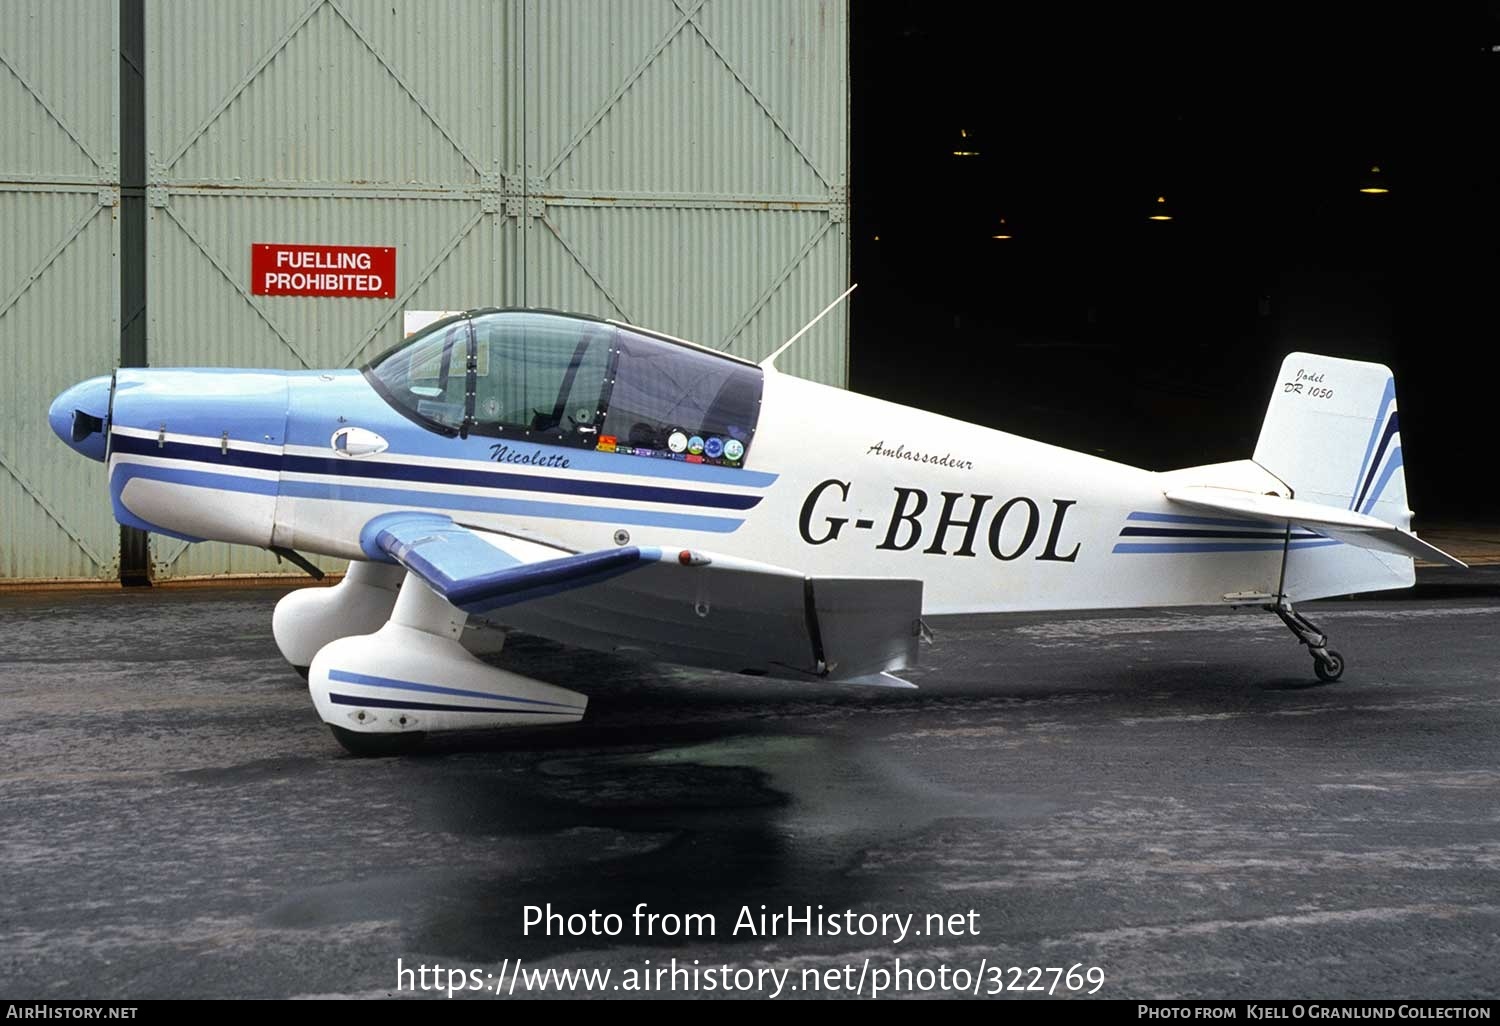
(59, 278)
(674, 163)
(337, 122)
(686, 169)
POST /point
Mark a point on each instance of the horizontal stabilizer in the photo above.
(1358, 529)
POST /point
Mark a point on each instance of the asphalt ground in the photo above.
(1167, 796)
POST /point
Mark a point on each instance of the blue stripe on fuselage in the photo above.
(408, 499)
(1183, 518)
(402, 498)
(121, 474)
(1190, 547)
(1271, 532)
(345, 467)
(134, 446)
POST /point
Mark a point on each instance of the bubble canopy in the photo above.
(563, 379)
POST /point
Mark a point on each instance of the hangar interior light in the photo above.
(1159, 210)
(1374, 183)
(965, 147)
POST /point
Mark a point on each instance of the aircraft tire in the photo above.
(1330, 670)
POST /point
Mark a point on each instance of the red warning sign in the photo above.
(301, 269)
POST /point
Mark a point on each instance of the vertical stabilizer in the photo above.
(1332, 434)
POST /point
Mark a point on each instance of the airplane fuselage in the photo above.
(835, 482)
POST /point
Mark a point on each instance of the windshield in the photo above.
(425, 377)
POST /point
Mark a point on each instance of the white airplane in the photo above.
(618, 489)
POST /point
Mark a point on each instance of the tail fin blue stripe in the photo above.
(1390, 469)
(1386, 398)
(1391, 427)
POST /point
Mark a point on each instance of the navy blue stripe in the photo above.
(346, 467)
(202, 453)
(386, 703)
(1182, 518)
(1391, 427)
(1177, 532)
(1195, 547)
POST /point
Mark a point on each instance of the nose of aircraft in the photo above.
(77, 416)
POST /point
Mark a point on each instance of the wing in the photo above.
(1357, 529)
(679, 605)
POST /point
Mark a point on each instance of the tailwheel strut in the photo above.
(1328, 664)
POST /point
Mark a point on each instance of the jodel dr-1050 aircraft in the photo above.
(619, 489)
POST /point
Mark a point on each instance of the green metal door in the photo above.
(59, 278)
(687, 169)
(390, 123)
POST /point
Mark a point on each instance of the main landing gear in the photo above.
(1328, 664)
(386, 663)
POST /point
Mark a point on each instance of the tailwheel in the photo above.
(374, 746)
(1329, 666)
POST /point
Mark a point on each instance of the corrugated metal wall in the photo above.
(59, 277)
(352, 123)
(691, 162)
(676, 163)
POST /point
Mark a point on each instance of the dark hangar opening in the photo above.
(1081, 320)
